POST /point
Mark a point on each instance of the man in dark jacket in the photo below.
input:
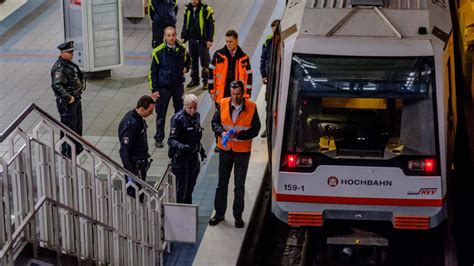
(133, 139)
(198, 29)
(265, 61)
(184, 146)
(265, 58)
(169, 63)
(68, 84)
(162, 14)
(228, 64)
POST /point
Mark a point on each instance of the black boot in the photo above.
(192, 84)
(215, 220)
(205, 87)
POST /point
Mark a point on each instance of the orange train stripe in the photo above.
(358, 201)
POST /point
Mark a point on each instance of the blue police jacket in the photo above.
(265, 58)
(185, 134)
(166, 71)
(133, 139)
(163, 12)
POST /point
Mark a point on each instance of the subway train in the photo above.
(362, 112)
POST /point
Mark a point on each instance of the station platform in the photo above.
(28, 39)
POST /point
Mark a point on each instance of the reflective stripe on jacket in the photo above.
(243, 122)
(221, 67)
(167, 64)
(206, 22)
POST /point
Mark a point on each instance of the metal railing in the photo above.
(77, 206)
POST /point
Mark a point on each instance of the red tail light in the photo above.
(428, 166)
(291, 159)
(297, 161)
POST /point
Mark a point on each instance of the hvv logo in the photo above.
(424, 191)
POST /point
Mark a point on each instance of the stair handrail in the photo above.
(38, 206)
(34, 108)
(31, 216)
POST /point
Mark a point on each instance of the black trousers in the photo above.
(198, 52)
(140, 169)
(157, 34)
(186, 169)
(240, 162)
(71, 116)
(162, 106)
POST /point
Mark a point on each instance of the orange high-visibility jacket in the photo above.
(243, 122)
(219, 67)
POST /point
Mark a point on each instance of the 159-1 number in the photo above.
(292, 187)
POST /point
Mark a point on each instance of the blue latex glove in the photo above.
(226, 138)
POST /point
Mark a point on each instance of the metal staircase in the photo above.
(61, 211)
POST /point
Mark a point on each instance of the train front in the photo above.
(358, 131)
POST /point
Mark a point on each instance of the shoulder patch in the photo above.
(173, 130)
(125, 140)
(57, 74)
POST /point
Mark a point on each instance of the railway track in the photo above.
(297, 246)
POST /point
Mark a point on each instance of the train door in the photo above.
(273, 93)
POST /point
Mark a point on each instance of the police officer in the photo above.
(162, 14)
(68, 84)
(265, 61)
(169, 63)
(133, 139)
(198, 29)
(236, 120)
(184, 146)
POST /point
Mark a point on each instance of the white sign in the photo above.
(180, 222)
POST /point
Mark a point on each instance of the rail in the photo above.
(77, 206)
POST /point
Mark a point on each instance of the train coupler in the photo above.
(357, 248)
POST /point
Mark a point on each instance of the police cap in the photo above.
(66, 47)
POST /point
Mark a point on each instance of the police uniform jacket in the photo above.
(166, 71)
(133, 139)
(185, 134)
(266, 56)
(163, 12)
(67, 79)
(199, 26)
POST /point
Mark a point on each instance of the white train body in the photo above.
(363, 112)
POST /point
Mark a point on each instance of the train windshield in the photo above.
(379, 107)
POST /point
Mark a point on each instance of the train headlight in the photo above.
(291, 160)
(427, 166)
(294, 160)
(304, 161)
